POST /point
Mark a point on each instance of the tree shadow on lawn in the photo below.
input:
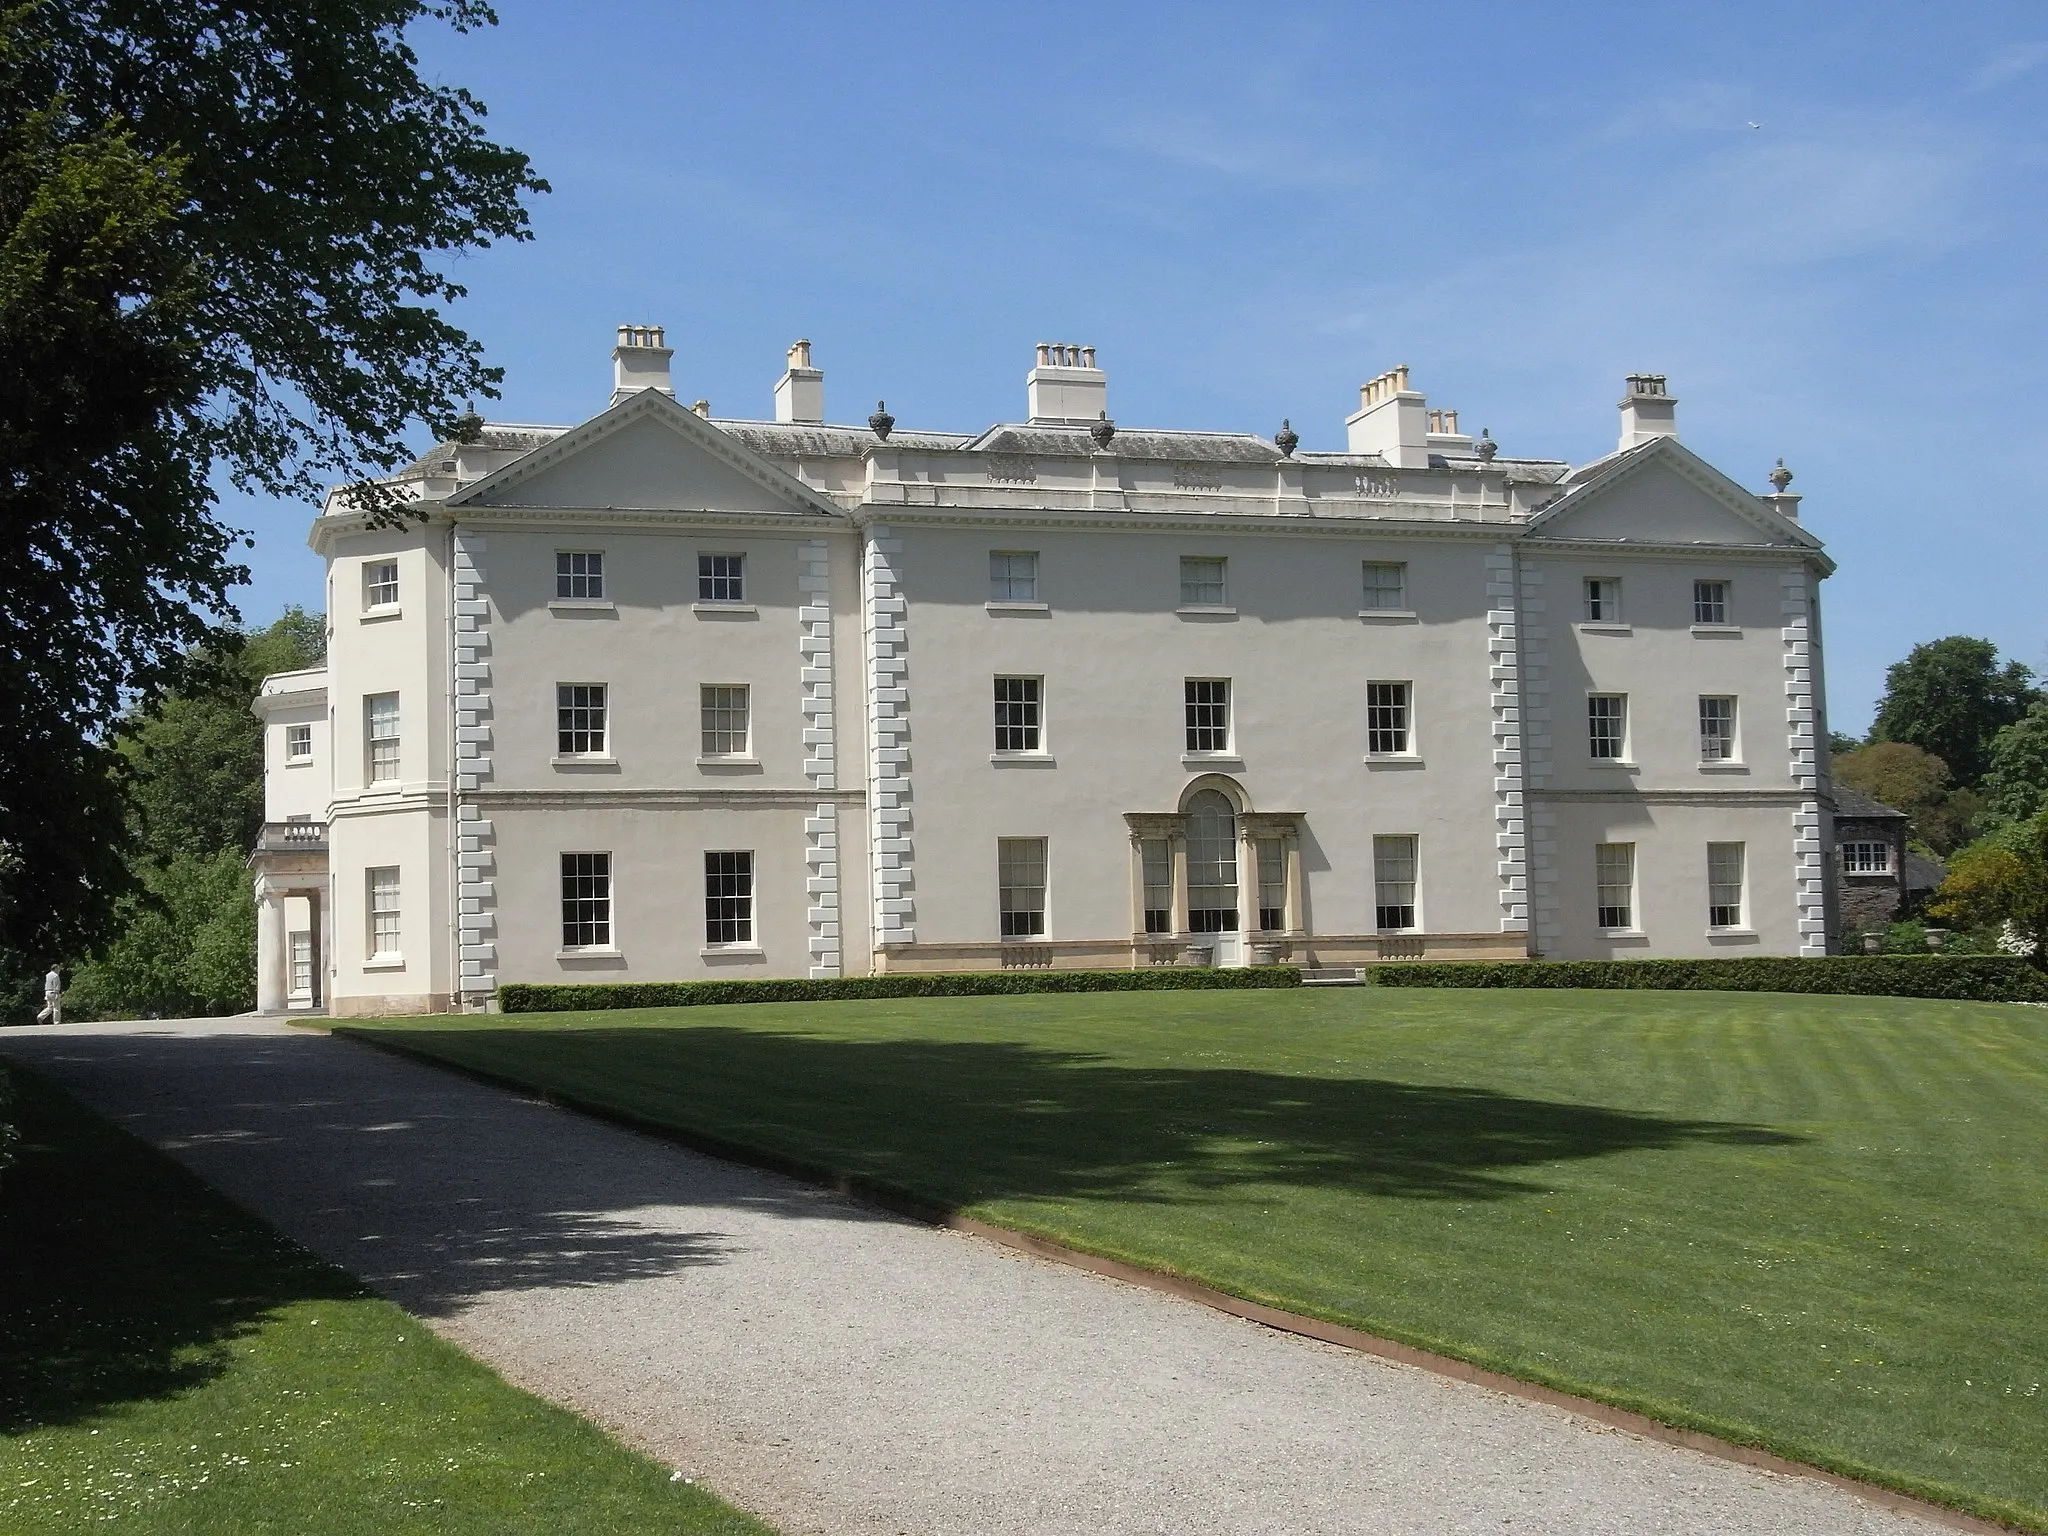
(967, 1121)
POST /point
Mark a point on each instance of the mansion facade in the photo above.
(670, 696)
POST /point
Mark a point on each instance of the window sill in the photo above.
(596, 954)
(1022, 760)
(1391, 615)
(1211, 760)
(384, 963)
(1732, 935)
(750, 764)
(1724, 765)
(725, 610)
(1718, 629)
(380, 614)
(298, 762)
(1392, 760)
(1005, 605)
(582, 605)
(582, 764)
(1622, 764)
(1211, 611)
(1625, 935)
(732, 952)
(1604, 627)
(1866, 874)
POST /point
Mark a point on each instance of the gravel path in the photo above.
(838, 1370)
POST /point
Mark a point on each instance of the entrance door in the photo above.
(1213, 911)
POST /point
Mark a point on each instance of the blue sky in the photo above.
(1251, 209)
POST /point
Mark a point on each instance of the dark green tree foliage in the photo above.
(1951, 697)
(222, 228)
(2017, 782)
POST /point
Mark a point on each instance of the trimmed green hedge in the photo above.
(1964, 978)
(526, 997)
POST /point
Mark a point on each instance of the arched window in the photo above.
(1212, 863)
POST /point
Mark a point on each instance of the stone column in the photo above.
(315, 916)
(271, 982)
(1290, 857)
(1177, 847)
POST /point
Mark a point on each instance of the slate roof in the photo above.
(806, 439)
(1850, 802)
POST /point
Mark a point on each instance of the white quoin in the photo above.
(1066, 387)
(1647, 410)
(800, 392)
(640, 361)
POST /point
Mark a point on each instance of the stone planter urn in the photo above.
(1936, 937)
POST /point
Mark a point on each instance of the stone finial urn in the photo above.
(882, 423)
(1286, 439)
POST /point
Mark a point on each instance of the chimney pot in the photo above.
(1066, 387)
(640, 362)
(1392, 421)
(1648, 410)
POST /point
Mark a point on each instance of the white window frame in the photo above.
(1726, 915)
(603, 909)
(724, 585)
(383, 914)
(295, 738)
(1396, 881)
(1373, 593)
(1021, 899)
(1595, 718)
(583, 721)
(729, 915)
(1008, 580)
(1155, 884)
(382, 748)
(1610, 859)
(1269, 869)
(586, 585)
(714, 716)
(1389, 718)
(380, 586)
(1706, 604)
(1725, 747)
(1197, 589)
(1857, 863)
(1602, 600)
(1019, 720)
(1190, 704)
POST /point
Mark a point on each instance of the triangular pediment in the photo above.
(646, 454)
(1664, 493)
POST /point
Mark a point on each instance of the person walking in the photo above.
(53, 998)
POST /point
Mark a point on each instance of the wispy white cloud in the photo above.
(2008, 64)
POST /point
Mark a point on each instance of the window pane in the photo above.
(725, 709)
(579, 574)
(1012, 576)
(1155, 856)
(380, 584)
(1386, 584)
(579, 719)
(1393, 868)
(586, 900)
(1717, 729)
(729, 898)
(1386, 717)
(1272, 884)
(1710, 602)
(1208, 714)
(1614, 874)
(298, 741)
(1020, 883)
(1866, 858)
(1201, 581)
(1017, 714)
(383, 907)
(1724, 885)
(380, 711)
(720, 579)
(1212, 864)
(1607, 725)
(1603, 600)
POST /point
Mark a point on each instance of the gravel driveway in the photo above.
(838, 1370)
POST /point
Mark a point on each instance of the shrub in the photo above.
(577, 997)
(1964, 978)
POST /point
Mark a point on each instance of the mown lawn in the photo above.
(1818, 1224)
(170, 1364)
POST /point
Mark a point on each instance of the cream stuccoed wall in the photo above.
(1114, 653)
(402, 825)
(296, 787)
